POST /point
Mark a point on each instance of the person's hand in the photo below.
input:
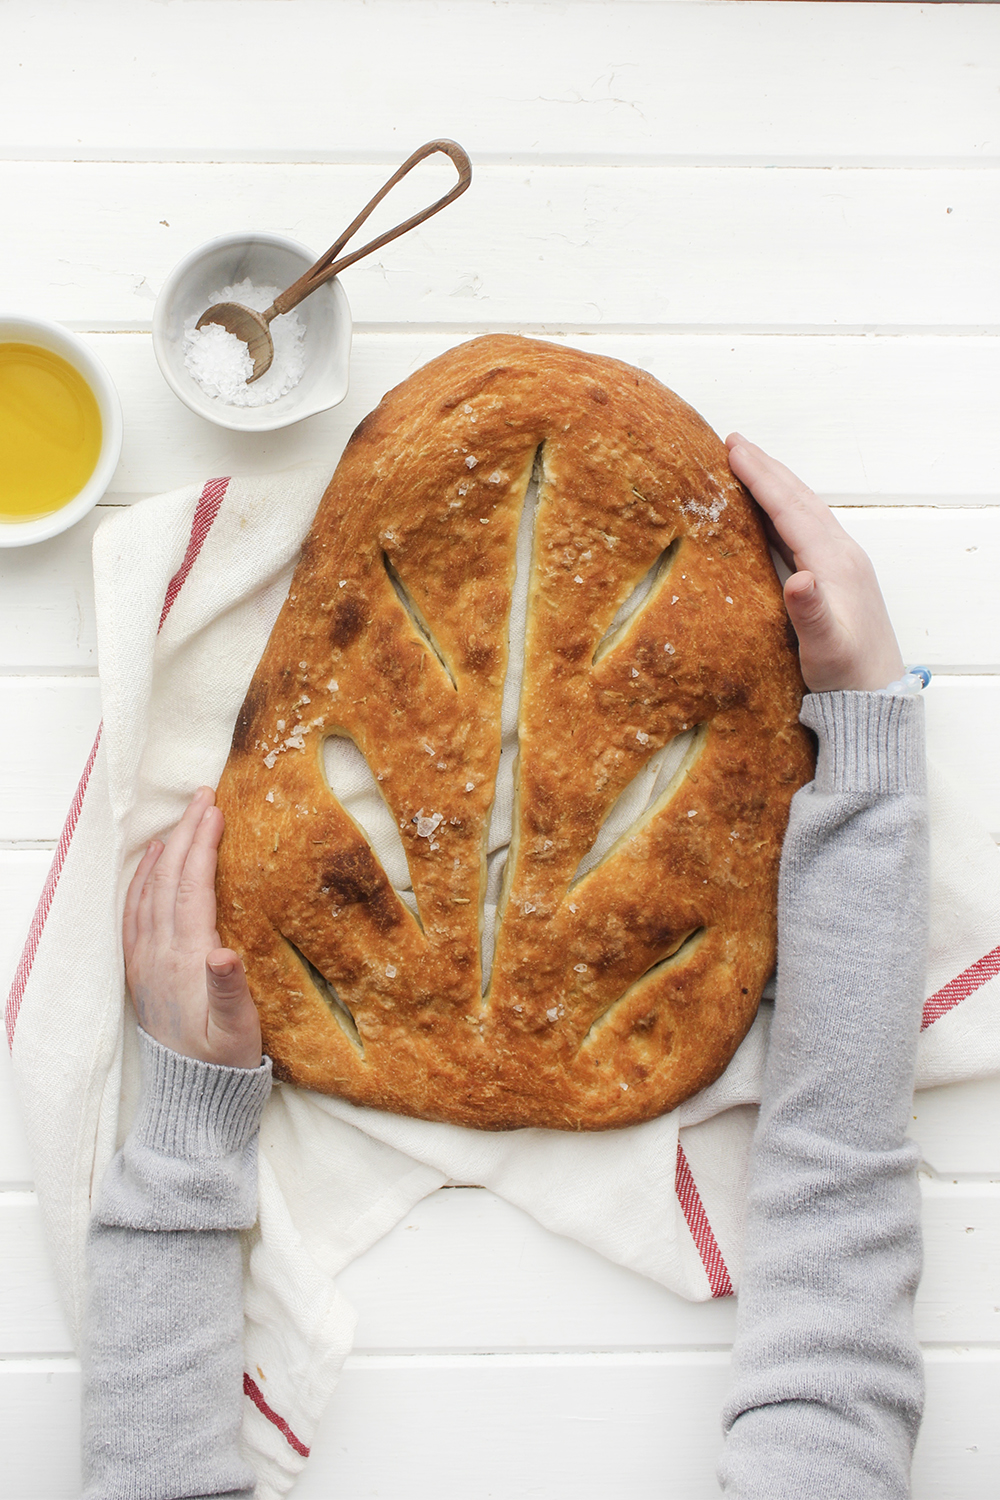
(189, 993)
(833, 599)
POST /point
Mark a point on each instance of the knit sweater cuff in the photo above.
(868, 742)
(197, 1110)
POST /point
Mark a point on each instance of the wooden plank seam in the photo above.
(701, 1230)
(205, 513)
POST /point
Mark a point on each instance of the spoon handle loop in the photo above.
(328, 265)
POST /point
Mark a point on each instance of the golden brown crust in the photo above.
(588, 1022)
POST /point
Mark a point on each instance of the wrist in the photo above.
(196, 1110)
(869, 742)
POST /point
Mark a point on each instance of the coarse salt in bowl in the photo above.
(265, 260)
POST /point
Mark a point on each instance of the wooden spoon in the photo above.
(251, 326)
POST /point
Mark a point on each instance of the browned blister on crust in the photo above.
(614, 995)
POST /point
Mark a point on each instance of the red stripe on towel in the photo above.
(207, 510)
(45, 900)
(701, 1230)
(252, 1389)
(205, 513)
(973, 978)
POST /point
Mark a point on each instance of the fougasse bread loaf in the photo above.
(616, 993)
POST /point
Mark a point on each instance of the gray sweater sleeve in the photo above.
(827, 1378)
(163, 1347)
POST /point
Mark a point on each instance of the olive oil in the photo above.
(50, 432)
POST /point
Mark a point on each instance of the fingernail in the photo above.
(221, 971)
(207, 814)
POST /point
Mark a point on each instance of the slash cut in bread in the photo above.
(615, 993)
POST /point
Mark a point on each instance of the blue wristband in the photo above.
(914, 680)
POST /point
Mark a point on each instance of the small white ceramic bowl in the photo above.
(268, 260)
(16, 328)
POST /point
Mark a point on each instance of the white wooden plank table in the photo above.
(788, 213)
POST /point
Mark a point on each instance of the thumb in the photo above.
(807, 607)
(233, 1023)
(228, 991)
(824, 648)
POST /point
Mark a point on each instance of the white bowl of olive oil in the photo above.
(60, 429)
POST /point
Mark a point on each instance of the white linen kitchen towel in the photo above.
(188, 586)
